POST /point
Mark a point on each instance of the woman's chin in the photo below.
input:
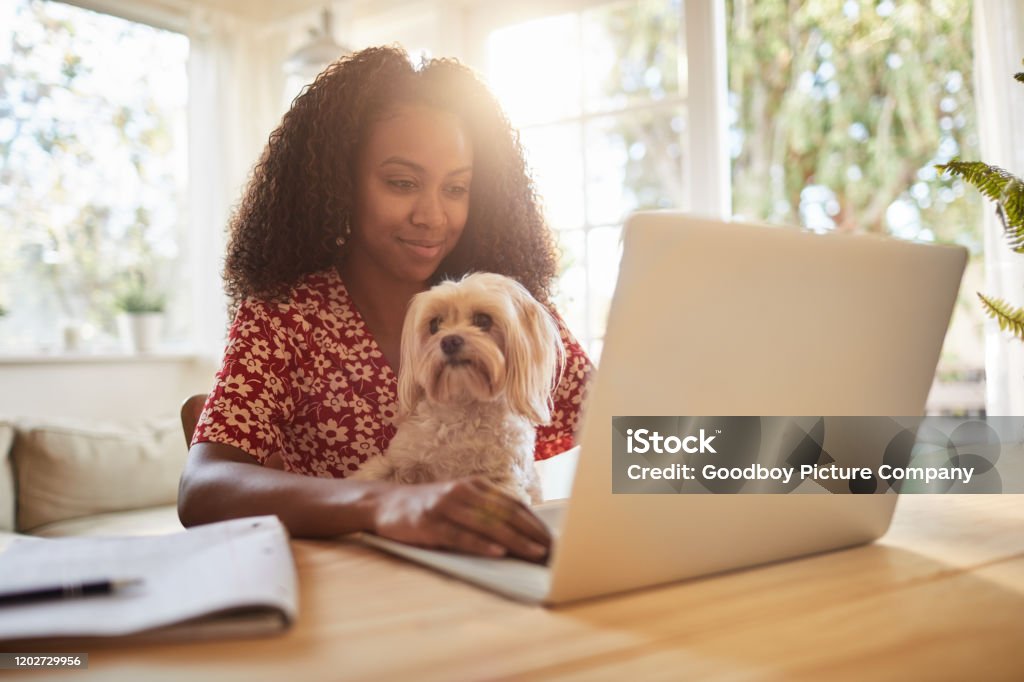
(419, 270)
(419, 273)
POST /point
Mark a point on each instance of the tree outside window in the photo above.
(92, 170)
(841, 109)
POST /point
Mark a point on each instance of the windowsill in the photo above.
(109, 357)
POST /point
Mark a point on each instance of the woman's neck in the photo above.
(381, 299)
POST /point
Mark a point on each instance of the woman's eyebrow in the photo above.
(401, 161)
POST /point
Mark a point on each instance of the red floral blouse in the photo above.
(304, 379)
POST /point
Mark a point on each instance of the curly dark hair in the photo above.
(302, 191)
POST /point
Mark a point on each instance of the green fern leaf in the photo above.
(1012, 204)
(1002, 187)
(1009, 318)
(989, 180)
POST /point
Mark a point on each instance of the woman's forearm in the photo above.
(468, 514)
(220, 482)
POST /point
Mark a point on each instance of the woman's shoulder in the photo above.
(319, 288)
(315, 300)
(310, 294)
(296, 323)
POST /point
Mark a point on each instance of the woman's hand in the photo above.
(468, 515)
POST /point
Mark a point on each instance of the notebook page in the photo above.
(512, 577)
(220, 566)
(509, 576)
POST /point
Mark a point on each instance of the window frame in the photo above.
(706, 165)
(707, 90)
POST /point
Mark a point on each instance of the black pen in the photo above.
(66, 591)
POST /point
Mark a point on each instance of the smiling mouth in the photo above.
(422, 247)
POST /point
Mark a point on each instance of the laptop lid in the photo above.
(720, 318)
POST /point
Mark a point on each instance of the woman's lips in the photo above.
(424, 248)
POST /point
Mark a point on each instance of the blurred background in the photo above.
(128, 128)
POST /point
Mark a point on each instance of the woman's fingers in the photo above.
(511, 510)
(456, 537)
(487, 511)
(480, 522)
(468, 515)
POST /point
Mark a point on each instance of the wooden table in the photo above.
(941, 596)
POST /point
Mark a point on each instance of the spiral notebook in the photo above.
(229, 579)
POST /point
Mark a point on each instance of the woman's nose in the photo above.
(429, 211)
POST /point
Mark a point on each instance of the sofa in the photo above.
(74, 478)
(64, 477)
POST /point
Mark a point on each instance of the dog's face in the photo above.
(481, 339)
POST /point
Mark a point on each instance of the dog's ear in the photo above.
(535, 357)
(409, 390)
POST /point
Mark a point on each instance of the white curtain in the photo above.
(998, 50)
(235, 85)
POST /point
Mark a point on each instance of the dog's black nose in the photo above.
(451, 344)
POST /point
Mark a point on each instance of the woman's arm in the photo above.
(222, 482)
(468, 515)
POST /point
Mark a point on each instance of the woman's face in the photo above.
(412, 192)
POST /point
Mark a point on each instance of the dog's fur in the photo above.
(471, 410)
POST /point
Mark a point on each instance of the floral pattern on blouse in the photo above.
(303, 378)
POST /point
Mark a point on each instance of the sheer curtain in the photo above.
(998, 49)
(235, 84)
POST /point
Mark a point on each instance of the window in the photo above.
(93, 166)
(600, 100)
(840, 110)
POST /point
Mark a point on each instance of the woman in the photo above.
(380, 181)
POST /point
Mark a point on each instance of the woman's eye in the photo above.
(458, 190)
(435, 325)
(402, 184)
(482, 320)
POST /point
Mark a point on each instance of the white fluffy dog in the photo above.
(479, 360)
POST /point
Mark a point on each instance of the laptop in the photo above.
(723, 318)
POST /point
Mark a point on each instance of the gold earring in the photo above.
(346, 232)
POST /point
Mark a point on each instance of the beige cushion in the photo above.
(6, 478)
(67, 469)
(155, 521)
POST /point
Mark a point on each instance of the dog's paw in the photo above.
(375, 469)
(414, 472)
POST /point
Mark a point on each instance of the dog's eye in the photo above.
(482, 320)
(435, 325)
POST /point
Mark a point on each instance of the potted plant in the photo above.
(1007, 190)
(140, 321)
